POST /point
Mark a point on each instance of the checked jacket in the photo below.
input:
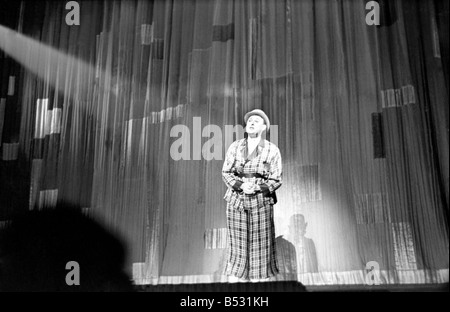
(264, 161)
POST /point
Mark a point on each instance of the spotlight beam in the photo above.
(45, 62)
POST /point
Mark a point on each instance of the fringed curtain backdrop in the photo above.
(98, 114)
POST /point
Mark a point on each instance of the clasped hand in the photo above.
(249, 188)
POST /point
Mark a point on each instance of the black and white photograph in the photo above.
(224, 150)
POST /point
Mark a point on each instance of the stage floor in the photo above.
(291, 287)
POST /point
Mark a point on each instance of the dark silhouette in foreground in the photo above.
(36, 246)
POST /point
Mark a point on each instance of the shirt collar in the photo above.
(260, 147)
(262, 143)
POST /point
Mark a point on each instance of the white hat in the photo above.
(259, 113)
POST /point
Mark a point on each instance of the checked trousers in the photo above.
(251, 250)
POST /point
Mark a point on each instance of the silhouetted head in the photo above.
(297, 225)
(36, 246)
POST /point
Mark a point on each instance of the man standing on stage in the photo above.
(252, 172)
